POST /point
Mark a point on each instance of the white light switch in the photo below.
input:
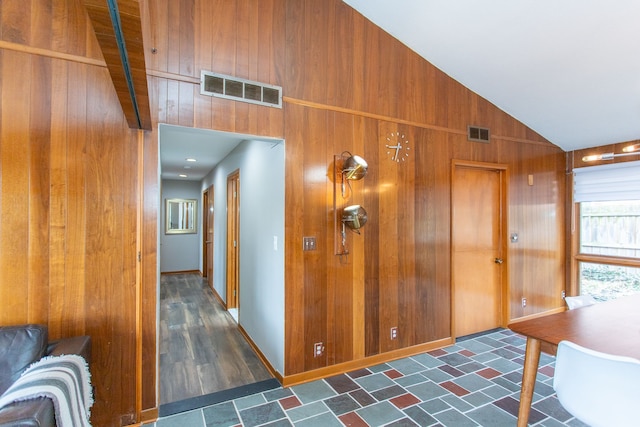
(275, 243)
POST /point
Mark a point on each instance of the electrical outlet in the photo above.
(563, 294)
(394, 332)
(318, 349)
(524, 302)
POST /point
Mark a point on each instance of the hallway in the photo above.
(202, 351)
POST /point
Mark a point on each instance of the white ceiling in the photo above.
(568, 69)
(208, 147)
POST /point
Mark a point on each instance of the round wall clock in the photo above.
(398, 147)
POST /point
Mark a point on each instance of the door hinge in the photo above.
(139, 256)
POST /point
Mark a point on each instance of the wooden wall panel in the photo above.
(68, 216)
(347, 84)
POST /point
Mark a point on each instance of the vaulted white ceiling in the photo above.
(568, 69)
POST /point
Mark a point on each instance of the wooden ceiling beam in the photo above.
(123, 50)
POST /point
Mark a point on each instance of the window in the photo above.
(608, 223)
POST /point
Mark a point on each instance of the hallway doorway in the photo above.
(202, 351)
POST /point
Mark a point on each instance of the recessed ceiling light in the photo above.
(187, 167)
(190, 159)
(182, 175)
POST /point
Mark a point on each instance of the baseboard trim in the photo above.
(340, 368)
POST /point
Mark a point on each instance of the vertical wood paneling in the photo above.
(39, 186)
(398, 271)
(14, 155)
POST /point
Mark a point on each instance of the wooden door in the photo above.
(208, 235)
(233, 239)
(477, 247)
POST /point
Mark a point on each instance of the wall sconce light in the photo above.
(354, 217)
(347, 168)
(630, 150)
(351, 168)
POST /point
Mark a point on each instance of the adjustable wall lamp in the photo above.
(630, 150)
(347, 168)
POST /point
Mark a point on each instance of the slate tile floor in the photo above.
(475, 382)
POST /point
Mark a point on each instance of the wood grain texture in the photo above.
(201, 349)
(129, 78)
(65, 146)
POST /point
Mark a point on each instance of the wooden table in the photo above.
(611, 327)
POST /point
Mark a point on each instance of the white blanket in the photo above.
(63, 379)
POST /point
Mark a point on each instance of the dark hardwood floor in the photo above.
(201, 349)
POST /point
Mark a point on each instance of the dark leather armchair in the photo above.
(20, 346)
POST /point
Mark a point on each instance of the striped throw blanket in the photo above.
(63, 379)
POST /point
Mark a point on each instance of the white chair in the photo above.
(579, 301)
(599, 389)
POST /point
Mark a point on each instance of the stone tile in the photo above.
(454, 372)
(342, 383)
(380, 414)
(362, 397)
(313, 391)
(428, 360)
(420, 416)
(404, 422)
(220, 415)
(307, 411)
(261, 414)
(407, 366)
(359, 373)
(404, 401)
(478, 399)
(280, 423)
(290, 402)
(473, 382)
(454, 388)
(455, 418)
(434, 406)
(393, 374)
(191, 418)
(551, 406)
(438, 375)
(323, 420)
(472, 366)
(277, 394)
(455, 359)
(247, 402)
(490, 415)
(380, 368)
(410, 380)
(388, 393)
(427, 391)
(353, 420)
(375, 382)
(342, 404)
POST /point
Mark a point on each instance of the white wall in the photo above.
(180, 252)
(261, 304)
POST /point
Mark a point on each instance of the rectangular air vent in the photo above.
(229, 87)
(477, 134)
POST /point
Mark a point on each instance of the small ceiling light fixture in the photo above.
(630, 150)
(182, 175)
(190, 159)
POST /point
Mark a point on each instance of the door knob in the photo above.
(498, 260)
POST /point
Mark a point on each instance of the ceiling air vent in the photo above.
(477, 134)
(229, 87)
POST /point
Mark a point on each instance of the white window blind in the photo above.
(618, 181)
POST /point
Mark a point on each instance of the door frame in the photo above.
(233, 241)
(503, 171)
(207, 224)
